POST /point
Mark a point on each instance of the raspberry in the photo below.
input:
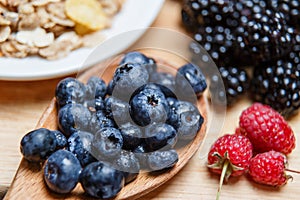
(230, 156)
(266, 129)
(269, 168)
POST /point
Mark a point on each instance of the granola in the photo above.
(50, 30)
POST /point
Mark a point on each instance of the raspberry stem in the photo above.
(224, 174)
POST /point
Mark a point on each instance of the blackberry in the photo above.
(277, 84)
(262, 36)
(197, 13)
(236, 83)
(290, 9)
(218, 41)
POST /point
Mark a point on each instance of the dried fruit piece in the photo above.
(86, 12)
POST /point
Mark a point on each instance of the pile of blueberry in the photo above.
(108, 133)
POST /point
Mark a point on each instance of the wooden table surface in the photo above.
(22, 103)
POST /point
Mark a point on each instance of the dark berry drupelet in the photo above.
(262, 36)
(278, 85)
(218, 41)
(236, 82)
(196, 13)
(290, 9)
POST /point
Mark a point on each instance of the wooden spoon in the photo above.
(28, 182)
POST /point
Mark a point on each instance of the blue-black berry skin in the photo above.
(100, 120)
(101, 180)
(95, 87)
(127, 163)
(160, 136)
(165, 81)
(188, 76)
(73, 117)
(61, 171)
(160, 160)
(137, 57)
(94, 104)
(79, 143)
(61, 140)
(38, 144)
(127, 79)
(149, 106)
(107, 143)
(117, 110)
(132, 135)
(186, 119)
(69, 90)
(141, 154)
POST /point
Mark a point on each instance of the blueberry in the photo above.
(96, 87)
(127, 79)
(73, 117)
(117, 110)
(149, 106)
(188, 76)
(186, 119)
(128, 164)
(80, 145)
(165, 81)
(69, 90)
(160, 160)
(38, 144)
(171, 101)
(132, 135)
(94, 104)
(99, 120)
(110, 87)
(160, 135)
(107, 143)
(101, 180)
(141, 154)
(61, 171)
(137, 57)
(61, 140)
